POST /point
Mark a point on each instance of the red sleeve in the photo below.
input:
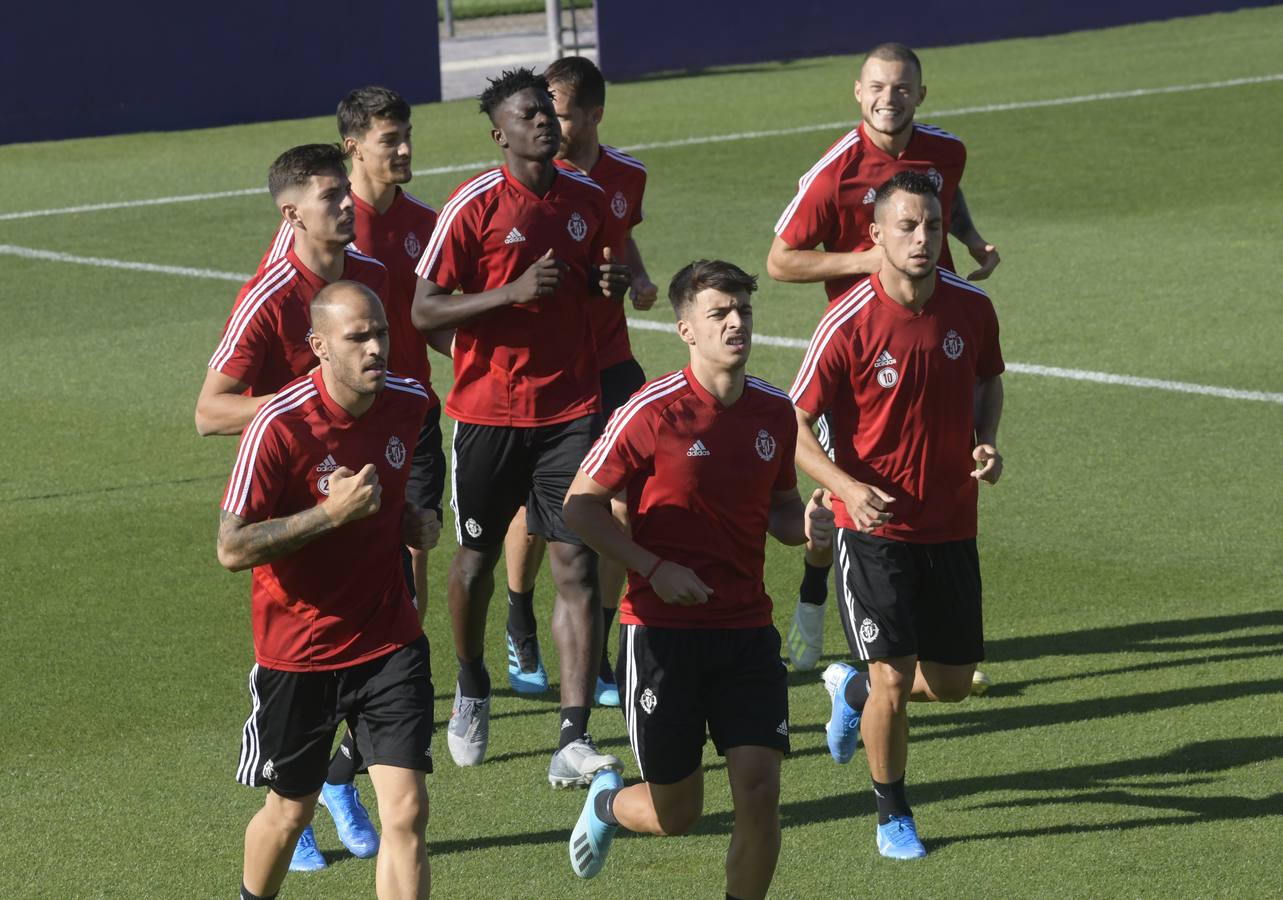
(248, 336)
(258, 477)
(786, 478)
(636, 218)
(823, 367)
(626, 447)
(449, 260)
(811, 215)
(989, 361)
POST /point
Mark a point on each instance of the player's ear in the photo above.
(856, 91)
(289, 212)
(922, 94)
(497, 135)
(317, 343)
(350, 147)
(875, 233)
(597, 114)
(685, 332)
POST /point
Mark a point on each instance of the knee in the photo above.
(952, 690)
(291, 814)
(471, 568)
(679, 817)
(894, 686)
(575, 571)
(405, 812)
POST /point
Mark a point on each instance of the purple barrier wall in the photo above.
(72, 70)
(637, 38)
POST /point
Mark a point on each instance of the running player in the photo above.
(528, 244)
(833, 208)
(705, 456)
(909, 365)
(579, 95)
(335, 634)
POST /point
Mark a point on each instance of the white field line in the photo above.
(693, 141)
(769, 340)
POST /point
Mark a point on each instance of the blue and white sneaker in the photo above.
(307, 858)
(843, 727)
(526, 673)
(356, 831)
(606, 693)
(898, 839)
(590, 841)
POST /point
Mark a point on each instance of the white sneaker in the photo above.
(575, 764)
(980, 684)
(468, 733)
(806, 635)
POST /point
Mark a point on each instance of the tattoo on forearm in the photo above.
(261, 542)
(960, 224)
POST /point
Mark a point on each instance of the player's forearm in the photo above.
(243, 545)
(591, 519)
(432, 312)
(442, 341)
(633, 259)
(787, 522)
(812, 460)
(808, 266)
(226, 413)
(988, 409)
(961, 225)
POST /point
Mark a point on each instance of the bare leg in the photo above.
(523, 554)
(576, 621)
(755, 842)
(821, 559)
(666, 809)
(470, 585)
(884, 725)
(270, 838)
(402, 872)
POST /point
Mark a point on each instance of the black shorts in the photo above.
(902, 599)
(426, 485)
(824, 433)
(387, 702)
(498, 469)
(675, 682)
(619, 383)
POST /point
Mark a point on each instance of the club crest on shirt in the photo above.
(888, 377)
(648, 701)
(868, 630)
(936, 178)
(953, 344)
(412, 246)
(395, 452)
(577, 227)
(765, 445)
(619, 205)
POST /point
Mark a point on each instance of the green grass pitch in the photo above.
(1133, 742)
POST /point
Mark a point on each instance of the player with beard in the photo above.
(579, 95)
(833, 210)
(909, 366)
(528, 244)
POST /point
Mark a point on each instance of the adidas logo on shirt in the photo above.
(870, 196)
(698, 449)
(514, 237)
(328, 464)
(884, 359)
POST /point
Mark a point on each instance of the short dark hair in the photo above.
(908, 181)
(896, 53)
(360, 107)
(509, 82)
(295, 166)
(582, 77)
(707, 273)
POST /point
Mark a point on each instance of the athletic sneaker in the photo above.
(606, 693)
(843, 726)
(980, 683)
(526, 673)
(306, 857)
(469, 730)
(806, 635)
(590, 841)
(356, 831)
(575, 764)
(898, 839)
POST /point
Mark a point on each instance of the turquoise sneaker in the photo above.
(526, 673)
(590, 841)
(898, 839)
(606, 693)
(356, 831)
(306, 857)
(843, 727)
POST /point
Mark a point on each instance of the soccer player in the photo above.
(579, 96)
(705, 456)
(266, 344)
(909, 364)
(316, 506)
(528, 244)
(833, 208)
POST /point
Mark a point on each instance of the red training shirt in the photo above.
(340, 600)
(264, 342)
(528, 364)
(623, 178)
(395, 238)
(699, 478)
(900, 388)
(834, 201)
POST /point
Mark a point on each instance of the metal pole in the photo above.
(553, 8)
(449, 18)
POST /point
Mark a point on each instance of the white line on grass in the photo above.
(692, 141)
(769, 340)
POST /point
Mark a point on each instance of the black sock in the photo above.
(891, 800)
(474, 680)
(521, 615)
(246, 895)
(574, 725)
(607, 673)
(346, 761)
(815, 584)
(604, 806)
(857, 692)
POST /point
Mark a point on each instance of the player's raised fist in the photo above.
(420, 528)
(541, 279)
(989, 463)
(679, 585)
(644, 293)
(353, 495)
(987, 256)
(615, 276)
(818, 522)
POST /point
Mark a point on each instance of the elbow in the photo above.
(230, 560)
(204, 424)
(774, 269)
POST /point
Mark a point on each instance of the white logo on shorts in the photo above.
(269, 771)
(395, 452)
(577, 227)
(619, 205)
(765, 445)
(888, 377)
(868, 631)
(648, 701)
(473, 527)
(953, 344)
